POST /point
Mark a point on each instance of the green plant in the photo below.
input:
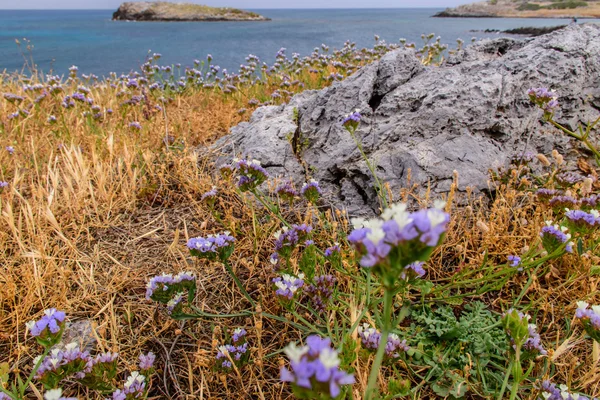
(463, 354)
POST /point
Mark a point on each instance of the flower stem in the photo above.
(238, 283)
(387, 317)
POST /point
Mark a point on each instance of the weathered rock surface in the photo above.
(164, 11)
(469, 115)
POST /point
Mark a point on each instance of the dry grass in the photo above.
(84, 226)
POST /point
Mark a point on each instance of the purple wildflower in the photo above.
(252, 174)
(210, 197)
(335, 249)
(311, 191)
(3, 184)
(352, 120)
(552, 392)
(286, 192)
(319, 293)
(371, 337)
(147, 361)
(238, 335)
(568, 178)
(287, 285)
(590, 318)
(315, 367)
(287, 239)
(581, 221)
(213, 246)
(62, 363)
(514, 321)
(546, 194)
(135, 125)
(514, 261)
(544, 98)
(413, 270)
(398, 238)
(236, 352)
(590, 202)
(560, 202)
(554, 236)
(49, 328)
(163, 287)
(13, 98)
(135, 385)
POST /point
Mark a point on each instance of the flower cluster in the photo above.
(315, 368)
(567, 179)
(286, 192)
(413, 270)
(252, 174)
(48, 329)
(100, 371)
(590, 202)
(523, 335)
(320, 291)
(590, 318)
(554, 236)
(288, 238)
(561, 202)
(371, 337)
(514, 261)
(210, 197)
(551, 392)
(544, 98)
(134, 388)
(581, 221)
(287, 285)
(147, 361)
(352, 120)
(233, 354)
(399, 238)
(546, 194)
(63, 363)
(213, 246)
(333, 250)
(311, 191)
(166, 287)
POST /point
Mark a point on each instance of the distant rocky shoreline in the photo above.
(527, 31)
(183, 12)
(524, 9)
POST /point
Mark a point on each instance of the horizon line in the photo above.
(249, 8)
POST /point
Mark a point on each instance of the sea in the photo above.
(56, 40)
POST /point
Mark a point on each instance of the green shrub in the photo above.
(563, 5)
(529, 7)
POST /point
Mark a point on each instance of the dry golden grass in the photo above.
(84, 226)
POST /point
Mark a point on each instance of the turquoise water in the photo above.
(90, 40)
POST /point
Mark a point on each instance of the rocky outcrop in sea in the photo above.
(470, 115)
(164, 11)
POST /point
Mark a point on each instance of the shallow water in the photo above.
(90, 40)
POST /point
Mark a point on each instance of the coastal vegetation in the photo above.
(526, 9)
(149, 271)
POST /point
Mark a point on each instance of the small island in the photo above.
(165, 11)
(525, 9)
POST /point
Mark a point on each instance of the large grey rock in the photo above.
(469, 115)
